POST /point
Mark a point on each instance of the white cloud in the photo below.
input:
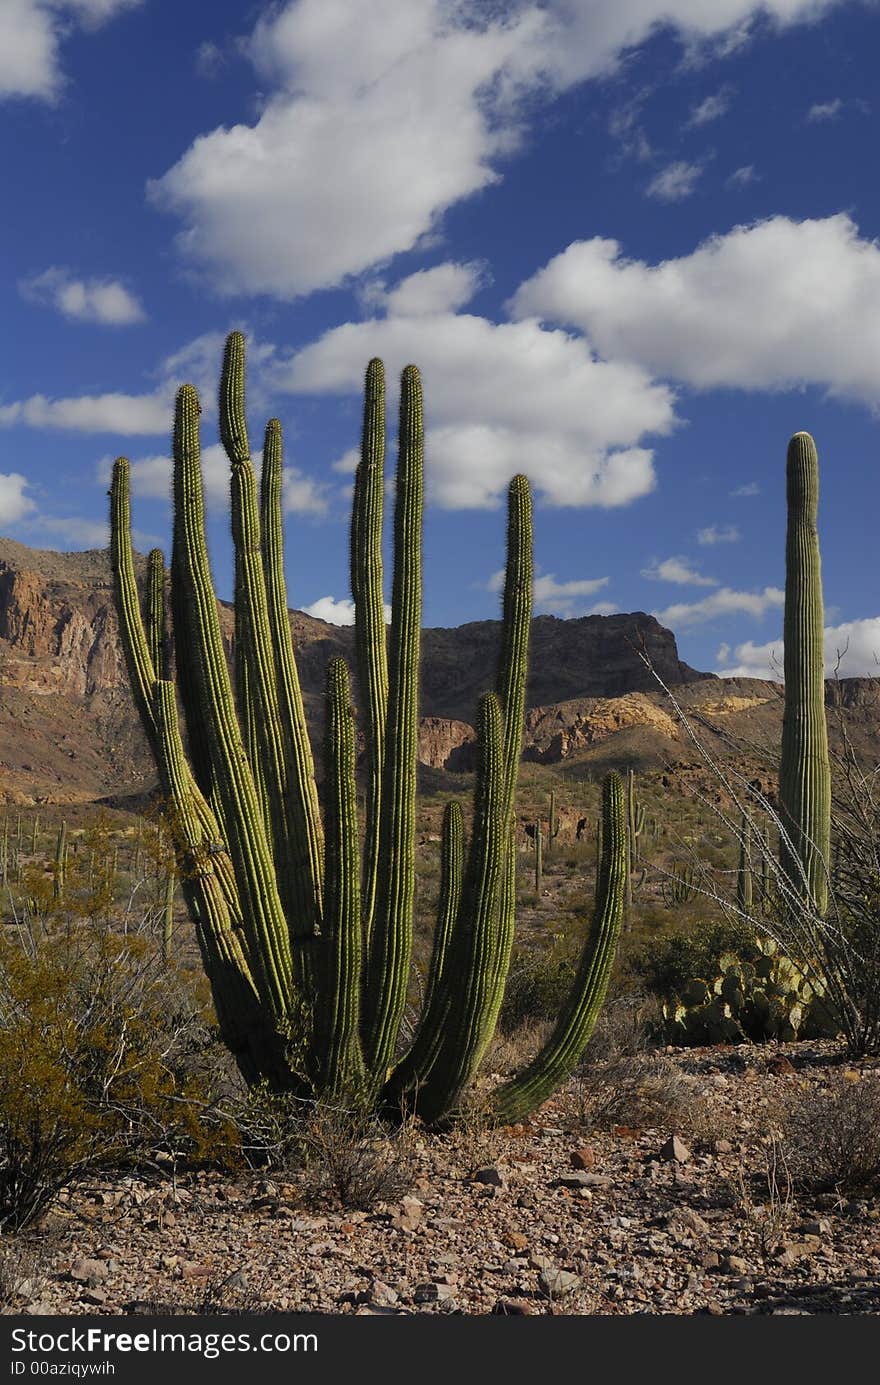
(30, 37)
(551, 597)
(713, 107)
(126, 414)
(14, 504)
(857, 642)
(718, 533)
(675, 182)
(503, 398)
(74, 529)
(83, 300)
(742, 177)
(677, 570)
(371, 131)
(825, 110)
(151, 479)
(337, 612)
(444, 288)
(724, 602)
(750, 488)
(814, 287)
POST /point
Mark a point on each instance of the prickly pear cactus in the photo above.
(757, 994)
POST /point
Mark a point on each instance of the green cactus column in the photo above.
(805, 771)
(563, 1050)
(391, 937)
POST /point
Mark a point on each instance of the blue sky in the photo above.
(632, 245)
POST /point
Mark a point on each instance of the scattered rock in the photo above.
(89, 1272)
(675, 1149)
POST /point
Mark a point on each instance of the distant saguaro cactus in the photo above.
(805, 770)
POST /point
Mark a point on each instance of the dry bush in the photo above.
(642, 1091)
(22, 1272)
(354, 1159)
(831, 1137)
(104, 1059)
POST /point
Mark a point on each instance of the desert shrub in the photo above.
(353, 1158)
(665, 965)
(22, 1272)
(106, 1057)
(831, 1137)
(641, 1090)
(537, 986)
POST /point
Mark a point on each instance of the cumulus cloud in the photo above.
(742, 177)
(852, 648)
(15, 505)
(337, 612)
(106, 301)
(718, 533)
(813, 286)
(151, 479)
(675, 182)
(677, 570)
(551, 597)
(723, 602)
(129, 415)
(370, 132)
(825, 110)
(713, 107)
(31, 32)
(503, 398)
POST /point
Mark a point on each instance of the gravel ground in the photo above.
(548, 1217)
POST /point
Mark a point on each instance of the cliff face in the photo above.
(67, 724)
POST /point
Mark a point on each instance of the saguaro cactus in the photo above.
(307, 940)
(805, 772)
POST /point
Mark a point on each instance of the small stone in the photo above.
(513, 1308)
(585, 1180)
(710, 1260)
(734, 1264)
(433, 1293)
(723, 1147)
(517, 1241)
(583, 1158)
(97, 1296)
(780, 1066)
(676, 1149)
(822, 1227)
(492, 1176)
(89, 1272)
(556, 1283)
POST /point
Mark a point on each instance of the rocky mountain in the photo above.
(69, 732)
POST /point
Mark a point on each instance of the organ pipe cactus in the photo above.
(305, 938)
(805, 771)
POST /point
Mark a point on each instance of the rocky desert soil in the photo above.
(550, 1217)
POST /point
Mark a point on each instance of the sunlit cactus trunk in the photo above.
(805, 771)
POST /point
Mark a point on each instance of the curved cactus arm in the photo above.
(305, 817)
(455, 1037)
(255, 659)
(804, 772)
(562, 1052)
(368, 595)
(451, 869)
(254, 1044)
(391, 940)
(135, 645)
(156, 610)
(200, 653)
(139, 660)
(337, 1035)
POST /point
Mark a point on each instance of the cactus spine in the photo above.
(307, 947)
(804, 773)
